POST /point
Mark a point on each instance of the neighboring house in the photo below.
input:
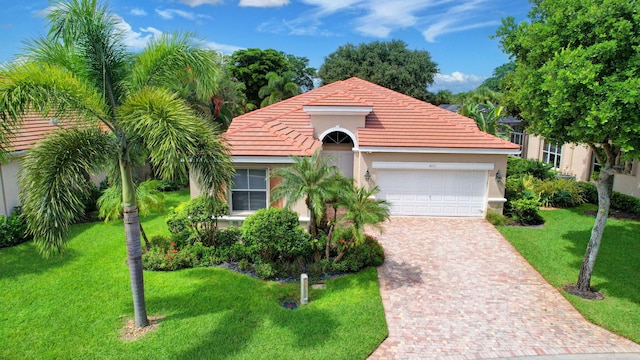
(571, 160)
(425, 160)
(34, 129)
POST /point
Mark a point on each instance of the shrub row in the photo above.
(270, 242)
(619, 201)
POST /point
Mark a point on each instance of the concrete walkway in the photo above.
(454, 288)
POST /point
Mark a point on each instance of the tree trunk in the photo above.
(329, 236)
(605, 189)
(147, 244)
(134, 249)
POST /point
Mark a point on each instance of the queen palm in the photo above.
(121, 106)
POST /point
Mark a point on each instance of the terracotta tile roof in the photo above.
(35, 128)
(396, 121)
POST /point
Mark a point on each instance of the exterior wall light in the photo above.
(367, 175)
(498, 176)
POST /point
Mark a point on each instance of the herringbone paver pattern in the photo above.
(454, 288)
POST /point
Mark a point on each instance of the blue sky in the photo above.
(455, 32)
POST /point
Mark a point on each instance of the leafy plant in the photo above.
(13, 230)
(265, 271)
(519, 167)
(526, 211)
(275, 233)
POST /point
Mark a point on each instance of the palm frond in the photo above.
(173, 59)
(93, 29)
(211, 165)
(170, 132)
(148, 199)
(55, 181)
(48, 89)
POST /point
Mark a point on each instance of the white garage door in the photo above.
(434, 192)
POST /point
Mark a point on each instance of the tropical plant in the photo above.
(362, 209)
(121, 105)
(575, 81)
(278, 88)
(309, 177)
(487, 117)
(148, 198)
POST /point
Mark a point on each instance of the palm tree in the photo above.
(278, 88)
(362, 209)
(311, 178)
(487, 117)
(122, 106)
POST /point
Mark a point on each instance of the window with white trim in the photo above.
(517, 137)
(249, 190)
(551, 153)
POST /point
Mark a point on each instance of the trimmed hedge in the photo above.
(619, 201)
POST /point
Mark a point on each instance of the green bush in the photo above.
(168, 260)
(625, 202)
(556, 192)
(518, 167)
(360, 256)
(274, 233)
(317, 269)
(13, 229)
(589, 192)
(160, 242)
(495, 218)
(228, 236)
(265, 271)
(525, 211)
(619, 201)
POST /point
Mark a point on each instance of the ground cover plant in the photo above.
(556, 251)
(206, 312)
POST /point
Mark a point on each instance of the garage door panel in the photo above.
(434, 192)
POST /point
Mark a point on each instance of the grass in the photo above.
(75, 307)
(557, 249)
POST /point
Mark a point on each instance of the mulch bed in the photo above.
(130, 332)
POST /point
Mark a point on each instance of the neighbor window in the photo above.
(551, 153)
(249, 191)
(517, 137)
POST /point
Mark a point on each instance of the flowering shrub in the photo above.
(170, 259)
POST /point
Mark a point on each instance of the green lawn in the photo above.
(556, 251)
(75, 306)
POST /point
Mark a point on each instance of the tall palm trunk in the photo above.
(605, 189)
(134, 249)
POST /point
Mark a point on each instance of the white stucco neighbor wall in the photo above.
(9, 186)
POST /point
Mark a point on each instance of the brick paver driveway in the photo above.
(454, 288)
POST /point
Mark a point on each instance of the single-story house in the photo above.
(34, 128)
(425, 160)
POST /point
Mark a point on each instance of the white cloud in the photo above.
(456, 82)
(138, 12)
(223, 48)
(137, 40)
(169, 14)
(263, 3)
(194, 3)
(380, 18)
(464, 16)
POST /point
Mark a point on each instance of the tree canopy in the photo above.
(576, 81)
(389, 64)
(499, 73)
(251, 66)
